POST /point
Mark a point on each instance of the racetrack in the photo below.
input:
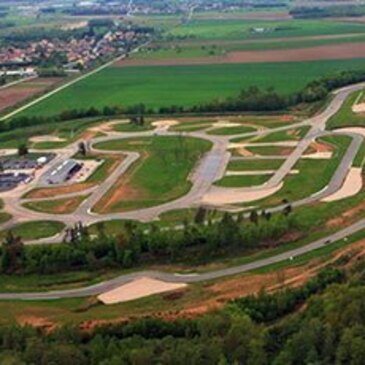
(210, 168)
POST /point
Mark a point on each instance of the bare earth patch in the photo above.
(62, 190)
(20, 92)
(46, 138)
(220, 196)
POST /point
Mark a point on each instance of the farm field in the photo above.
(190, 49)
(328, 52)
(12, 95)
(236, 29)
(191, 85)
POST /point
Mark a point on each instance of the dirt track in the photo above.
(338, 51)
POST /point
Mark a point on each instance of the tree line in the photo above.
(135, 245)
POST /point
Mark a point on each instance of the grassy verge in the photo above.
(230, 131)
(249, 165)
(35, 230)
(242, 181)
(271, 150)
(59, 206)
(132, 127)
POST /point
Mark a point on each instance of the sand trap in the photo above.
(138, 288)
(318, 155)
(254, 173)
(46, 138)
(351, 186)
(356, 130)
(264, 144)
(358, 107)
(226, 124)
(221, 196)
(164, 124)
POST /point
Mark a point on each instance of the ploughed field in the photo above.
(12, 95)
(158, 86)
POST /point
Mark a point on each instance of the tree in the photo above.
(200, 215)
(13, 252)
(254, 217)
(22, 149)
(82, 148)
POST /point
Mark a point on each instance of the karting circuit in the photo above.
(224, 164)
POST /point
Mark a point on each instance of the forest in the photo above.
(322, 322)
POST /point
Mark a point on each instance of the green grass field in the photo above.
(242, 181)
(249, 165)
(59, 206)
(131, 127)
(160, 175)
(158, 86)
(231, 131)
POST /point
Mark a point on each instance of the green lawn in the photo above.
(159, 175)
(230, 131)
(158, 86)
(36, 230)
(59, 206)
(289, 135)
(242, 181)
(132, 127)
(250, 165)
(270, 150)
(345, 116)
(192, 126)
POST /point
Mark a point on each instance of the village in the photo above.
(72, 54)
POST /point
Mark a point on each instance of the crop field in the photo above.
(190, 49)
(237, 29)
(12, 95)
(158, 86)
